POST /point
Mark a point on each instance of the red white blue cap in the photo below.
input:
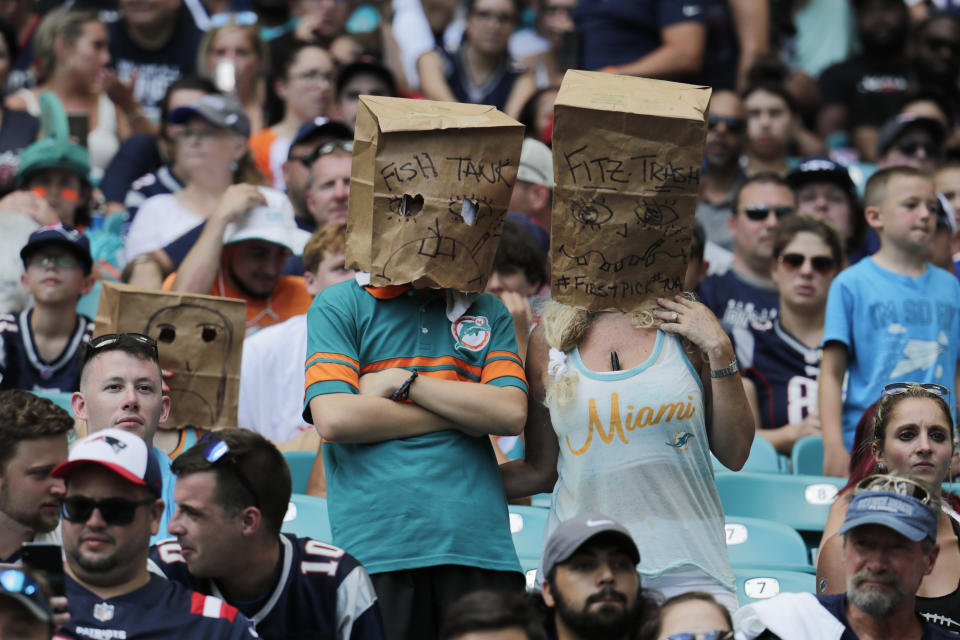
(123, 452)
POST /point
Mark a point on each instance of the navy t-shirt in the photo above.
(836, 604)
(158, 68)
(621, 31)
(21, 366)
(138, 155)
(18, 130)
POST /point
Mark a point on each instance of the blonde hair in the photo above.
(67, 25)
(253, 38)
(564, 327)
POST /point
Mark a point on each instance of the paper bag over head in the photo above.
(199, 338)
(429, 190)
(627, 155)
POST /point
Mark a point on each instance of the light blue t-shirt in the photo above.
(895, 328)
(168, 505)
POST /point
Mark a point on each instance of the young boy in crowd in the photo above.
(38, 346)
(891, 317)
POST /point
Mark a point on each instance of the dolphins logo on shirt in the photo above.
(681, 440)
(471, 332)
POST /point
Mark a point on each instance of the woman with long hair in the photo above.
(236, 59)
(624, 410)
(912, 436)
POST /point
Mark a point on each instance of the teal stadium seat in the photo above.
(59, 398)
(300, 463)
(758, 583)
(752, 542)
(527, 525)
(307, 517)
(763, 458)
(806, 458)
(798, 501)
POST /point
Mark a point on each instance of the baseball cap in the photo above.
(123, 452)
(370, 66)
(20, 585)
(821, 170)
(320, 125)
(52, 153)
(536, 163)
(218, 110)
(904, 514)
(59, 234)
(897, 125)
(274, 224)
(945, 215)
(571, 534)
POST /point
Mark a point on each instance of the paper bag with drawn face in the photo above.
(429, 189)
(199, 338)
(626, 156)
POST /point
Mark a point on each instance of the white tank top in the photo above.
(633, 446)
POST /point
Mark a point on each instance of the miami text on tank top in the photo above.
(633, 446)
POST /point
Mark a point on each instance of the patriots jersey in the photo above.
(322, 594)
(159, 610)
(785, 372)
(21, 366)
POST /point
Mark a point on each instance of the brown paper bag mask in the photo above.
(199, 338)
(429, 190)
(626, 155)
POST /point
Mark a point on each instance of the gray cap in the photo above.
(536, 163)
(218, 110)
(571, 534)
(904, 514)
(898, 125)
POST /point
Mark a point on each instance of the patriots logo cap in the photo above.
(123, 452)
(572, 534)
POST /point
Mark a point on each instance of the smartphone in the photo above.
(225, 76)
(46, 559)
(78, 125)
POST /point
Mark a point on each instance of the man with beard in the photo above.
(33, 440)
(889, 544)
(936, 60)
(591, 584)
(112, 506)
(725, 128)
(860, 93)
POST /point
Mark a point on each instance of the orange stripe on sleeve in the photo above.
(501, 369)
(422, 361)
(503, 354)
(328, 371)
(333, 356)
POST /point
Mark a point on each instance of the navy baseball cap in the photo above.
(904, 514)
(898, 125)
(321, 125)
(218, 110)
(368, 65)
(123, 452)
(571, 534)
(63, 235)
(821, 170)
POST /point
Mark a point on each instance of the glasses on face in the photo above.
(114, 511)
(895, 484)
(896, 388)
(19, 581)
(731, 123)
(910, 147)
(215, 452)
(200, 134)
(718, 634)
(759, 212)
(242, 18)
(108, 340)
(326, 149)
(60, 262)
(500, 18)
(820, 264)
(313, 77)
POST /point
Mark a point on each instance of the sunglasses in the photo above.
(910, 147)
(60, 262)
(114, 511)
(718, 634)
(215, 452)
(895, 484)
(820, 264)
(326, 149)
(731, 123)
(19, 581)
(759, 212)
(108, 340)
(242, 18)
(896, 388)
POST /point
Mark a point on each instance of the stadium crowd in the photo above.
(207, 147)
